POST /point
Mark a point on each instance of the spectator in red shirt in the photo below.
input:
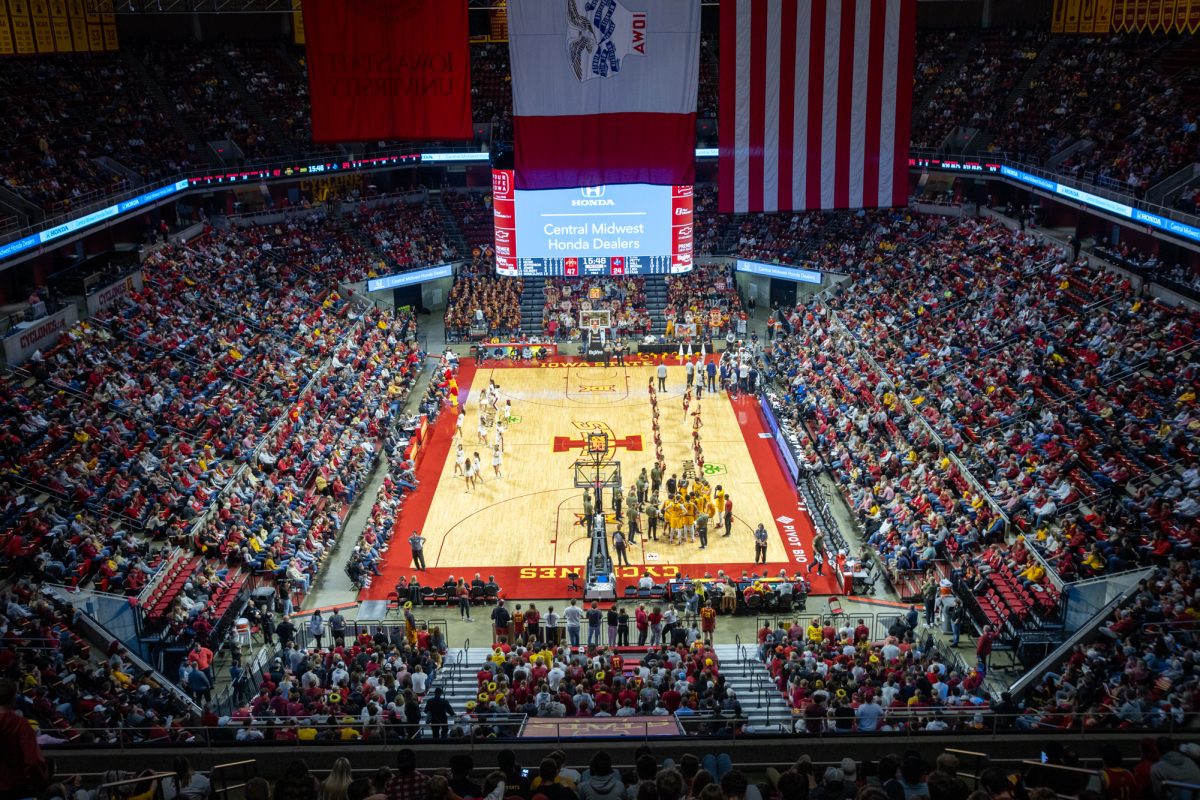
(23, 770)
(983, 647)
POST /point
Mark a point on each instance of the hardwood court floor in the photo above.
(524, 527)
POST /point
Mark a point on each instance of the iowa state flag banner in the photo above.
(604, 91)
(388, 69)
(815, 104)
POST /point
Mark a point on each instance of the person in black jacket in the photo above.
(438, 710)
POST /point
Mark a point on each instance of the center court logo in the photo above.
(600, 33)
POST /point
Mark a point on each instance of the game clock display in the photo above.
(598, 265)
(633, 229)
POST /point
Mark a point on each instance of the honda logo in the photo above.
(592, 191)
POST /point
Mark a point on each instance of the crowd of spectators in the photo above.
(274, 79)
(1053, 382)
(334, 682)
(532, 678)
(1077, 95)
(205, 100)
(1123, 93)
(979, 90)
(134, 426)
(913, 502)
(481, 300)
(937, 49)
(706, 232)
(410, 233)
(491, 89)
(821, 239)
(70, 692)
(836, 678)
(1138, 673)
(472, 212)
(363, 566)
(75, 109)
(624, 297)
(697, 294)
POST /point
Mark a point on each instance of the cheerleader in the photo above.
(482, 432)
(478, 469)
(687, 401)
(498, 457)
(508, 415)
(469, 474)
(500, 433)
(460, 458)
(458, 424)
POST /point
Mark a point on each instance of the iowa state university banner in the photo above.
(388, 69)
(604, 91)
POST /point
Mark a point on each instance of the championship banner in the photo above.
(6, 43)
(297, 23)
(43, 33)
(61, 22)
(79, 28)
(388, 69)
(22, 27)
(604, 93)
(1071, 23)
(1125, 16)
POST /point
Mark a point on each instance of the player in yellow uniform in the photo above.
(689, 519)
(671, 519)
(719, 501)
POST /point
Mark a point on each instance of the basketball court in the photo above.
(525, 527)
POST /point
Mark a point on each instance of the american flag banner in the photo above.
(815, 103)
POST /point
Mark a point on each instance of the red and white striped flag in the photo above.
(816, 102)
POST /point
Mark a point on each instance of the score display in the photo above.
(633, 229)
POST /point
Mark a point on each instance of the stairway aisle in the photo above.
(189, 134)
(460, 685)
(450, 225)
(247, 101)
(533, 302)
(762, 704)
